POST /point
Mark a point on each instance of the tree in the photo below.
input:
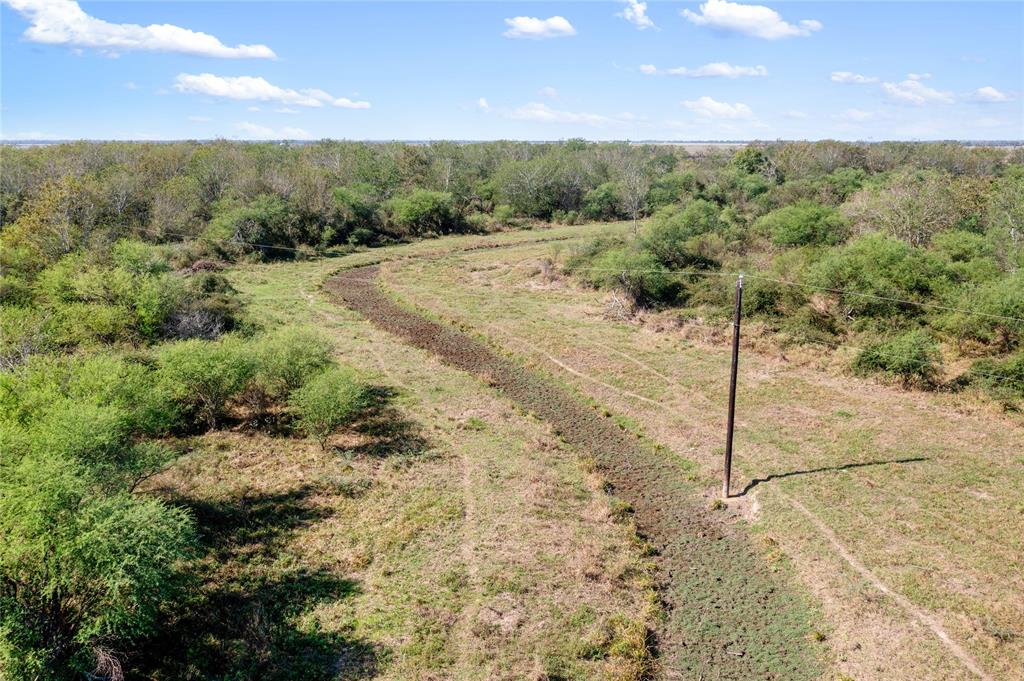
(424, 212)
(327, 401)
(203, 375)
(602, 202)
(670, 233)
(79, 570)
(1005, 214)
(803, 223)
(635, 185)
(912, 206)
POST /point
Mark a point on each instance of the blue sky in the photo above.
(488, 70)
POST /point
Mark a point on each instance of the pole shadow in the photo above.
(826, 469)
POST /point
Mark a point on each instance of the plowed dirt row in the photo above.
(729, 615)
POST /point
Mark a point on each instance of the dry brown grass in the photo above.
(922, 489)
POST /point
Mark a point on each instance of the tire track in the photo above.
(729, 616)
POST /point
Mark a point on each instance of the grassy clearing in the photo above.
(922, 489)
(450, 538)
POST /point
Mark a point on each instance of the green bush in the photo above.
(873, 271)
(671, 233)
(328, 401)
(992, 313)
(671, 188)
(913, 357)
(202, 376)
(424, 212)
(79, 570)
(265, 222)
(1003, 380)
(139, 258)
(602, 202)
(638, 274)
(505, 214)
(803, 223)
(285, 359)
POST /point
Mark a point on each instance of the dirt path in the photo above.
(729, 616)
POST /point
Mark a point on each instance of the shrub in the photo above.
(602, 202)
(327, 401)
(880, 268)
(504, 214)
(139, 258)
(79, 570)
(670, 233)
(999, 305)
(424, 212)
(285, 359)
(671, 188)
(803, 223)
(1003, 380)
(912, 356)
(203, 375)
(638, 274)
(267, 221)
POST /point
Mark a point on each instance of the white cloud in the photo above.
(253, 108)
(548, 92)
(753, 20)
(542, 113)
(795, 114)
(286, 110)
(714, 70)
(130, 86)
(850, 77)
(538, 29)
(346, 103)
(199, 119)
(635, 12)
(919, 76)
(709, 108)
(482, 104)
(856, 115)
(64, 22)
(254, 131)
(250, 87)
(990, 94)
(915, 92)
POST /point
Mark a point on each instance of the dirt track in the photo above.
(729, 617)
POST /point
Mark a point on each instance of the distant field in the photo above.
(900, 511)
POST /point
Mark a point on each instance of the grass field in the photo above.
(474, 544)
(901, 511)
(451, 537)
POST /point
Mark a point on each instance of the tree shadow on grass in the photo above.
(246, 609)
(389, 433)
(826, 469)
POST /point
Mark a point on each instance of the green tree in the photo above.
(424, 212)
(803, 223)
(79, 570)
(328, 401)
(203, 375)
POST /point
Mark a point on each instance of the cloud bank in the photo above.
(257, 88)
(753, 20)
(64, 22)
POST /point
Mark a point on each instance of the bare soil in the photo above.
(729, 614)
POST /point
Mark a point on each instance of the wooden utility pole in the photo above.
(727, 473)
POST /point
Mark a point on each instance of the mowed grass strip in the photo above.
(452, 537)
(923, 488)
(729, 616)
